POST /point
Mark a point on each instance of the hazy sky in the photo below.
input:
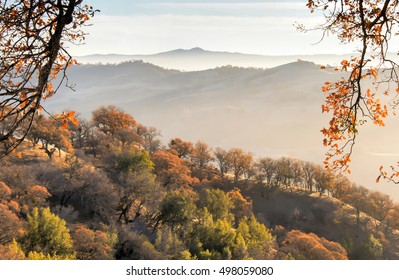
(255, 26)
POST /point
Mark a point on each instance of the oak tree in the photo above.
(240, 162)
(324, 180)
(33, 54)
(93, 244)
(182, 148)
(177, 209)
(114, 122)
(303, 246)
(51, 134)
(171, 171)
(265, 174)
(139, 195)
(150, 135)
(357, 197)
(200, 158)
(242, 207)
(380, 205)
(222, 159)
(10, 224)
(309, 170)
(350, 100)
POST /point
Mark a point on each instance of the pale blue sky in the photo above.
(196, 7)
(152, 26)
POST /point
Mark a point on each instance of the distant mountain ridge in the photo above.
(197, 59)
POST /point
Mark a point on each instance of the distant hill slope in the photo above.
(196, 59)
(273, 112)
(259, 104)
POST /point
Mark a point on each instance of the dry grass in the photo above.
(27, 154)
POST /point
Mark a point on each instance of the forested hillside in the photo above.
(107, 188)
(271, 112)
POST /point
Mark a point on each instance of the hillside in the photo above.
(285, 211)
(274, 112)
(197, 59)
(323, 215)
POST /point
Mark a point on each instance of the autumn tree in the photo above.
(52, 134)
(90, 191)
(324, 180)
(95, 141)
(12, 251)
(93, 244)
(303, 246)
(180, 147)
(34, 37)
(240, 162)
(380, 205)
(80, 133)
(266, 174)
(200, 159)
(10, 224)
(35, 196)
(309, 170)
(223, 161)
(150, 135)
(341, 187)
(116, 123)
(357, 197)
(171, 171)
(350, 101)
(5, 191)
(242, 207)
(284, 171)
(392, 219)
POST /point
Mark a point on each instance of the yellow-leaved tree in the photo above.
(47, 237)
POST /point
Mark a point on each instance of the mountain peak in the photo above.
(196, 49)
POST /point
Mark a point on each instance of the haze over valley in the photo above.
(274, 111)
